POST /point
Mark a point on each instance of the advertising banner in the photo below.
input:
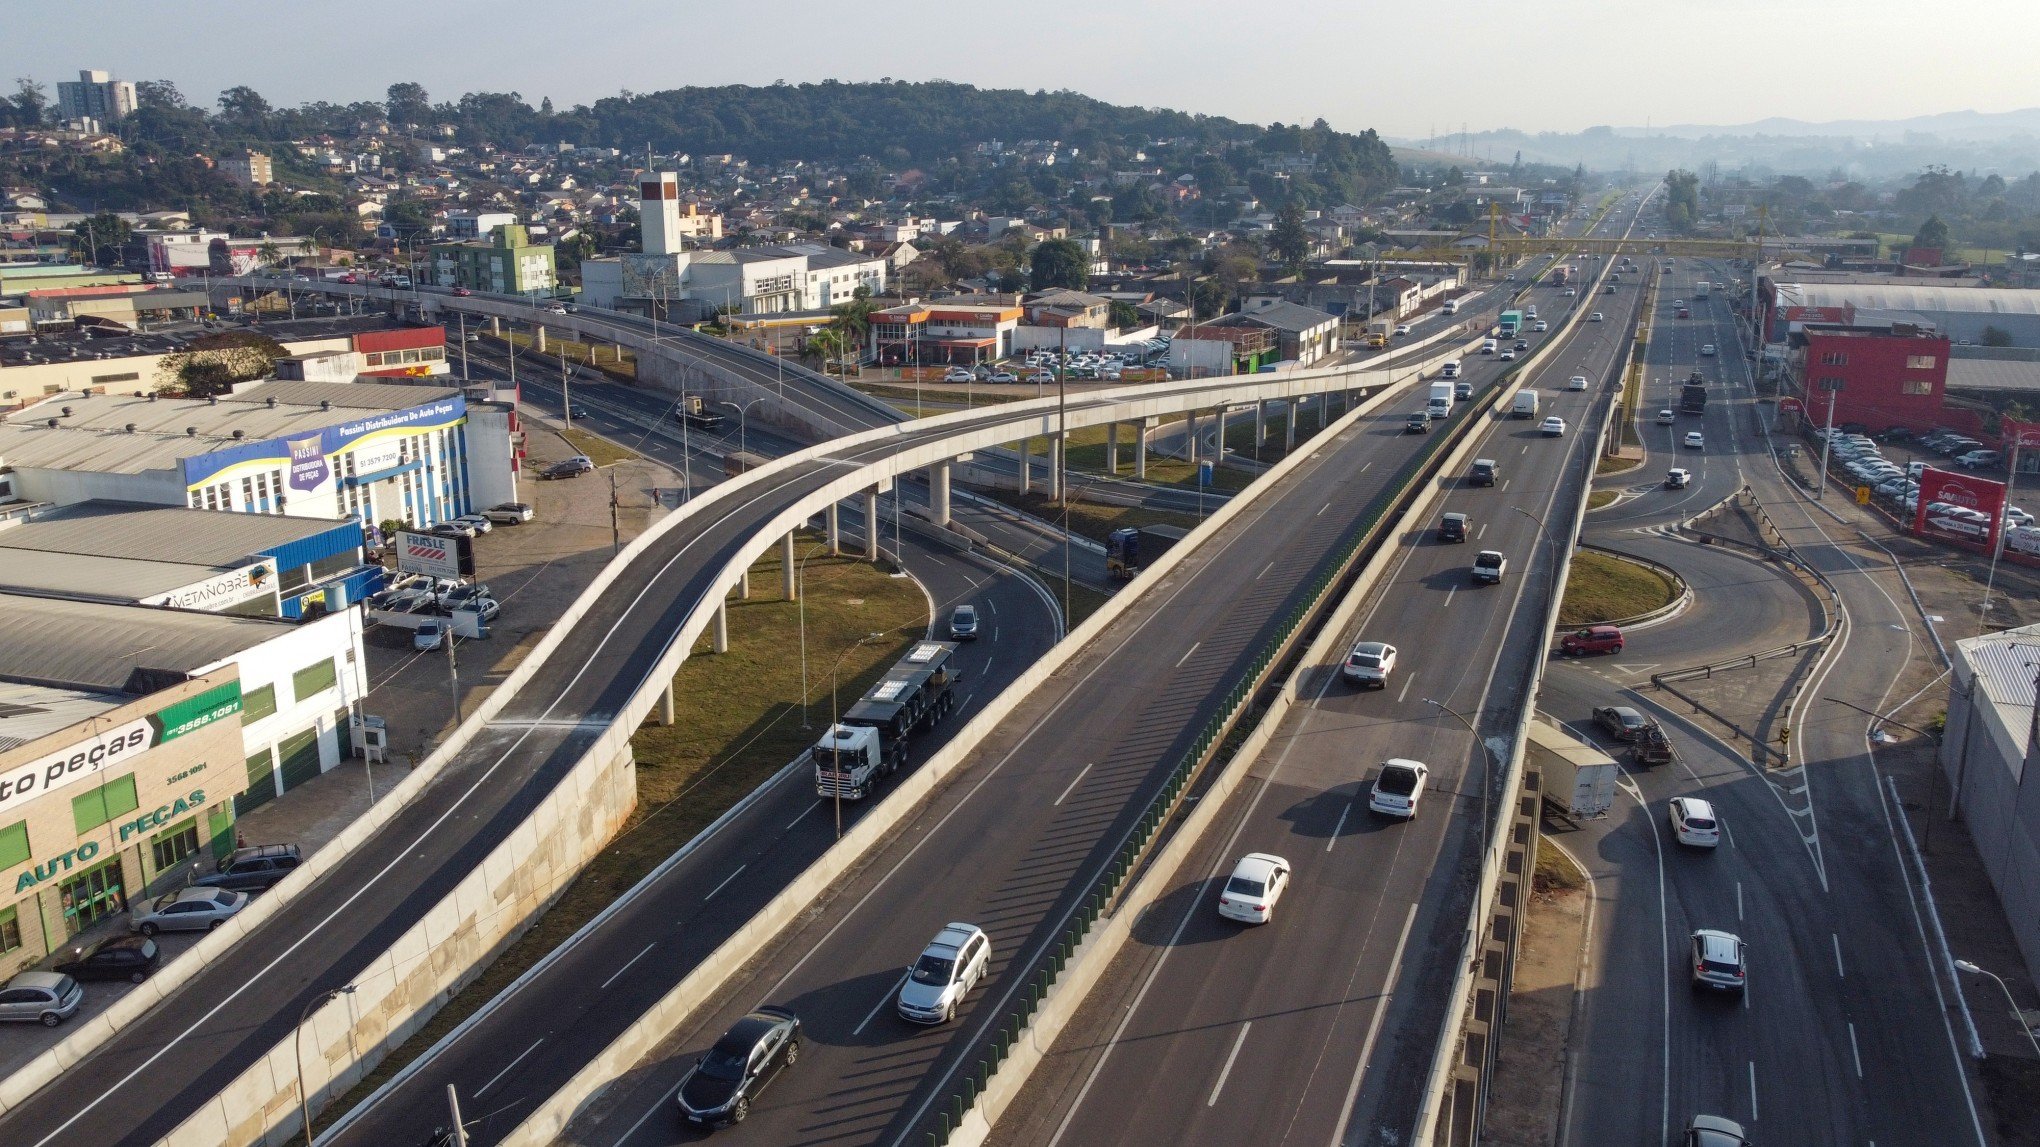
(224, 591)
(1959, 508)
(428, 554)
(307, 458)
(2019, 435)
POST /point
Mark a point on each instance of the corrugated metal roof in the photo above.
(113, 647)
(350, 395)
(30, 712)
(1946, 300)
(2005, 665)
(220, 538)
(94, 576)
(1993, 374)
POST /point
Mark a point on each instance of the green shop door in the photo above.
(93, 895)
(298, 758)
(261, 784)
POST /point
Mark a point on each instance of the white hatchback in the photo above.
(1256, 883)
(1576, 382)
(1695, 440)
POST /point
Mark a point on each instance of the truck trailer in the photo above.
(1578, 778)
(1129, 548)
(1693, 394)
(869, 741)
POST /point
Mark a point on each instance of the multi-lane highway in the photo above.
(1318, 1027)
(1843, 1036)
(1013, 844)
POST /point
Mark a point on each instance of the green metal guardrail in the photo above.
(949, 1114)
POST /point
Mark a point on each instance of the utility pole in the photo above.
(566, 396)
(615, 531)
(453, 1105)
(1833, 386)
(463, 347)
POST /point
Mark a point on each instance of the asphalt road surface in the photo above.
(1844, 1034)
(1319, 1026)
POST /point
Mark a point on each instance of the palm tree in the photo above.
(822, 346)
(269, 253)
(851, 321)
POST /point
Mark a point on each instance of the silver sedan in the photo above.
(194, 909)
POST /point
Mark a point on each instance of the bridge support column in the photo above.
(938, 493)
(1026, 465)
(538, 338)
(1190, 439)
(744, 585)
(835, 518)
(1260, 425)
(788, 587)
(1142, 432)
(1290, 409)
(666, 705)
(496, 325)
(1112, 449)
(721, 638)
(871, 524)
(1055, 468)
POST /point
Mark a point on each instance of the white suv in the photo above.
(952, 964)
(1694, 822)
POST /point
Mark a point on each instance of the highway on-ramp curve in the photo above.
(1319, 1026)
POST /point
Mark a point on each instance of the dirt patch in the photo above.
(1529, 1080)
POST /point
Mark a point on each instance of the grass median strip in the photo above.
(1602, 587)
(599, 450)
(738, 721)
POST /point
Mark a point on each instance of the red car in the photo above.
(349, 279)
(1592, 639)
(462, 292)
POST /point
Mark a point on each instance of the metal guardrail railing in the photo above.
(950, 1111)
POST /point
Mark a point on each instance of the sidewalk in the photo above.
(1526, 1097)
(536, 570)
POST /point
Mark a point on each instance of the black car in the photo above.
(717, 1091)
(254, 869)
(129, 958)
(1452, 528)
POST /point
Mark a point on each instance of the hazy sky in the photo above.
(1404, 69)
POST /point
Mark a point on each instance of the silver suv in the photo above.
(1719, 960)
(952, 964)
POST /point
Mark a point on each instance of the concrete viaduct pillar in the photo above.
(938, 492)
(1112, 449)
(871, 524)
(788, 586)
(835, 518)
(721, 637)
(1140, 448)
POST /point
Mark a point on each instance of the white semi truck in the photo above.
(869, 741)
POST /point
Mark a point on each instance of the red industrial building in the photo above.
(1888, 377)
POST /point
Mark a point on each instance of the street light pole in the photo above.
(835, 673)
(1972, 969)
(297, 1039)
(1494, 763)
(743, 421)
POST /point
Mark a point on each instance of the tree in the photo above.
(1290, 242)
(852, 320)
(161, 94)
(99, 240)
(1123, 313)
(1207, 299)
(1932, 234)
(245, 107)
(1060, 263)
(30, 106)
(408, 103)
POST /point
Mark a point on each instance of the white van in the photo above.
(1525, 405)
(1449, 307)
(1449, 370)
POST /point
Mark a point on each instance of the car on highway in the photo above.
(1483, 473)
(1570, 292)
(1714, 1131)
(950, 966)
(1398, 787)
(1522, 344)
(1667, 417)
(1256, 883)
(1719, 960)
(428, 636)
(1489, 566)
(461, 292)
(1576, 382)
(1508, 356)
(718, 1090)
(1369, 664)
(1402, 330)
(1592, 639)
(1707, 350)
(577, 412)
(1677, 478)
(255, 868)
(129, 958)
(1553, 427)
(46, 998)
(1452, 527)
(1419, 422)
(556, 309)
(1620, 721)
(1595, 317)
(1462, 390)
(1678, 304)
(1694, 822)
(963, 623)
(194, 909)
(508, 513)
(1539, 327)
(1695, 440)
